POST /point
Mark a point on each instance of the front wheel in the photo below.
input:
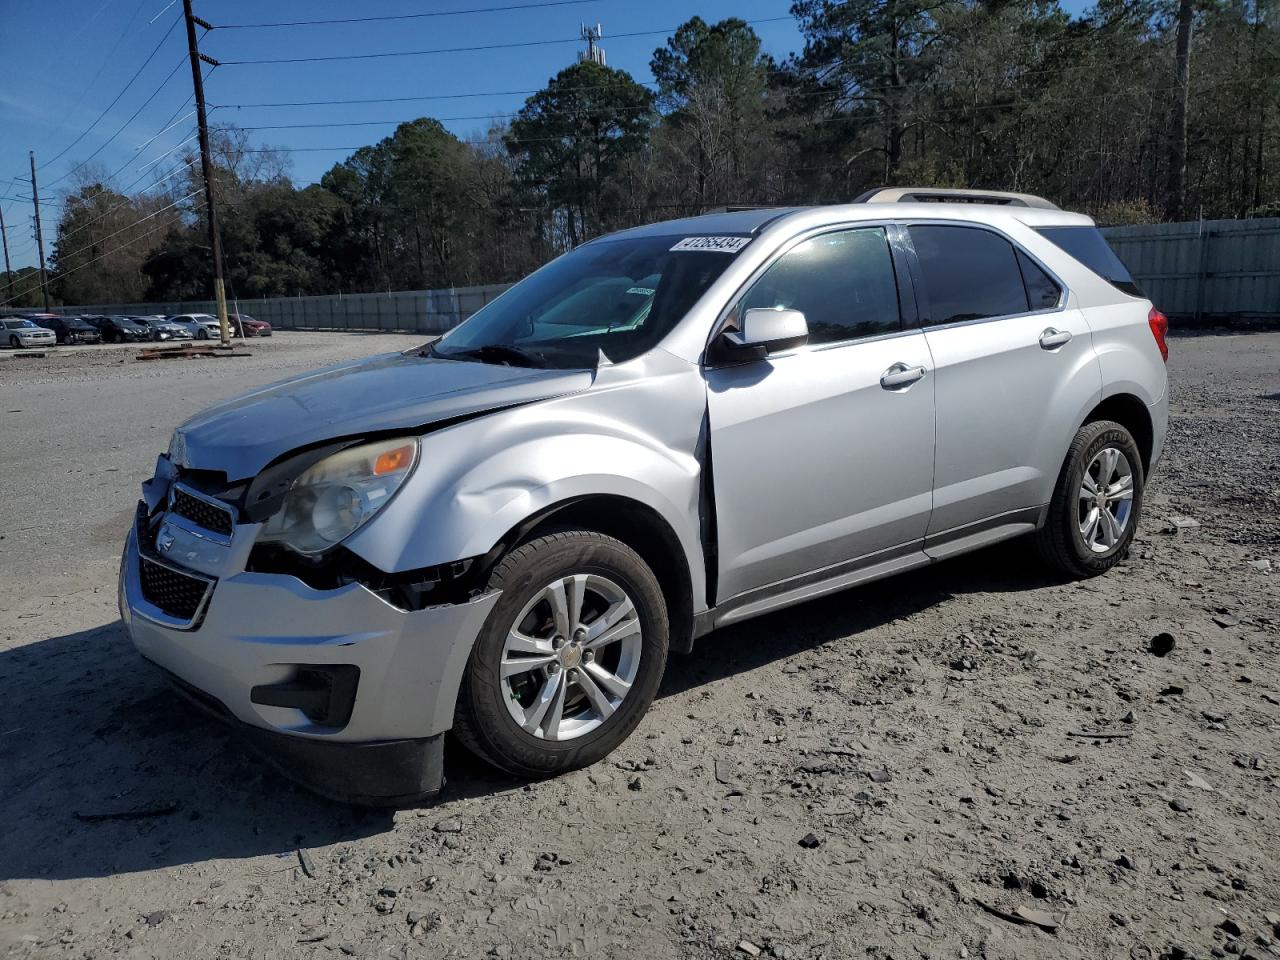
(13, 342)
(569, 659)
(1096, 504)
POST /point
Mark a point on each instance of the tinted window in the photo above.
(1043, 292)
(1090, 247)
(969, 273)
(842, 282)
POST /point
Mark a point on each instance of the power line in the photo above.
(146, 103)
(471, 49)
(436, 96)
(406, 16)
(105, 60)
(130, 226)
(377, 123)
(145, 64)
(104, 254)
(128, 201)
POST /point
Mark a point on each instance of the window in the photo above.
(969, 273)
(1090, 247)
(842, 282)
(1043, 293)
(612, 297)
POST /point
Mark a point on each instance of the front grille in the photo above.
(201, 512)
(177, 594)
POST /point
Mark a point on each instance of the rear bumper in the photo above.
(259, 638)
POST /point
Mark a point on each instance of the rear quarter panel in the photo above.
(1127, 351)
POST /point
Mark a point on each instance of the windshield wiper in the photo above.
(511, 356)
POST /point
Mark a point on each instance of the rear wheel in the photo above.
(569, 659)
(1096, 504)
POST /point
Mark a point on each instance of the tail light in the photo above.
(1159, 324)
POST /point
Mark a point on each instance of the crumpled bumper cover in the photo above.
(261, 629)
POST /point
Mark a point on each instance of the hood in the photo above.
(382, 393)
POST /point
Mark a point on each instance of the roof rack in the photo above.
(940, 195)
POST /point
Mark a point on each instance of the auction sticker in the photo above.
(714, 244)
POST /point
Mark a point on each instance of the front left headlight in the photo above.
(337, 496)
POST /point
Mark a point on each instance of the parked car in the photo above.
(120, 329)
(163, 329)
(69, 329)
(19, 332)
(243, 325)
(505, 533)
(203, 326)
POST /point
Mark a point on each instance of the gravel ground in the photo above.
(970, 760)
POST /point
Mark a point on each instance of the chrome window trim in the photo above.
(782, 250)
(1063, 297)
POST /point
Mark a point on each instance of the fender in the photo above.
(634, 435)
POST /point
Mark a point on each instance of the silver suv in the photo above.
(667, 430)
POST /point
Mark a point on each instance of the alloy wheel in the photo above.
(571, 657)
(1105, 500)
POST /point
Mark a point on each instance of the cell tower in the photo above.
(594, 52)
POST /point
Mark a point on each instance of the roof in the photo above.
(754, 221)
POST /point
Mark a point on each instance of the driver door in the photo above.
(822, 456)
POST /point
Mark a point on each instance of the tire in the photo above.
(1068, 542)
(14, 343)
(485, 720)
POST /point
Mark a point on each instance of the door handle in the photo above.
(1051, 339)
(900, 375)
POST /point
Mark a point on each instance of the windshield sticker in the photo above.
(714, 244)
(642, 291)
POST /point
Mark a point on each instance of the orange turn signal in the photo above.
(393, 461)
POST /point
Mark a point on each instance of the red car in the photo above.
(243, 325)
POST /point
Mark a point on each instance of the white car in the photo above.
(203, 326)
(665, 431)
(18, 333)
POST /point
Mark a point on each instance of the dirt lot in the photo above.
(891, 772)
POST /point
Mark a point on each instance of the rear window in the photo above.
(1090, 247)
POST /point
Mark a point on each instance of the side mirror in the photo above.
(766, 331)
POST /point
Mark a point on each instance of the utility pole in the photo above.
(206, 166)
(8, 271)
(1177, 198)
(35, 199)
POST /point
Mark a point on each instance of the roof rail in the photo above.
(941, 195)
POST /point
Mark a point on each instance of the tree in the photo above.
(875, 56)
(103, 238)
(716, 138)
(573, 140)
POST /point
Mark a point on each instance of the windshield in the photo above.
(612, 297)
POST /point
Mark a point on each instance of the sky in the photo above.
(60, 75)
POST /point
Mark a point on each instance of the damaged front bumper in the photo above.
(344, 691)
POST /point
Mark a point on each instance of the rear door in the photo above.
(815, 461)
(1015, 370)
